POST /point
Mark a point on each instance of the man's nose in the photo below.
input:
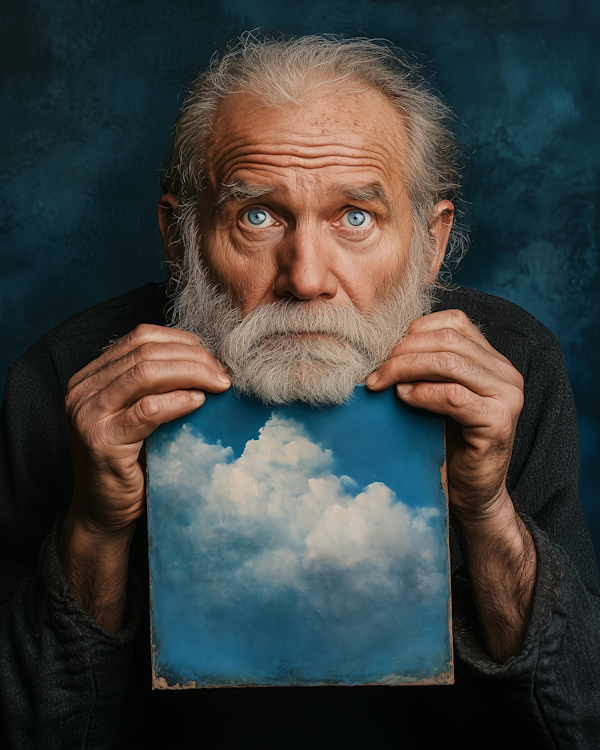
(304, 266)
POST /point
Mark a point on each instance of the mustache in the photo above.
(292, 317)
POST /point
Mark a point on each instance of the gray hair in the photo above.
(284, 71)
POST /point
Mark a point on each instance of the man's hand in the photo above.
(151, 376)
(446, 365)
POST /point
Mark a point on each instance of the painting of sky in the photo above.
(299, 546)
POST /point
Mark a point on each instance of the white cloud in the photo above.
(278, 517)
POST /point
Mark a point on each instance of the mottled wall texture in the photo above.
(90, 90)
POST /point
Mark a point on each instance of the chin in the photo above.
(313, 368)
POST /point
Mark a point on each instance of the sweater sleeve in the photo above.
(63, 680)
(555, 680)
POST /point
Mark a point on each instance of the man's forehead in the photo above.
(358, 137)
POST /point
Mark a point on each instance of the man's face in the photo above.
(306, 227)
(334, 221)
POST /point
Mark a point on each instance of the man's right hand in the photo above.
(151, 376)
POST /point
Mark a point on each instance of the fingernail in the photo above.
(372, 379)
(404, 388)
(198, 396)
(224, 379)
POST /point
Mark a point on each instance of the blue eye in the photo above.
(258, 217)
(356, 218)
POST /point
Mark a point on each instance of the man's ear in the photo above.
(439, 230)
(167, 208)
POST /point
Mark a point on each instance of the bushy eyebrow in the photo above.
(240, 191)
(373, 191)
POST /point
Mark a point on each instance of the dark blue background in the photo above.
(90, 90)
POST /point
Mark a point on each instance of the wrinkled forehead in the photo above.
(335, 135)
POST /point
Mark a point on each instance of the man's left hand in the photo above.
(445, 365)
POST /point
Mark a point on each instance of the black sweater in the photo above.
(65, 683)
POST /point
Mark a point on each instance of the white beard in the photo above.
(291, 350)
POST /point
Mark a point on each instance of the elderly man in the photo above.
(306, 214)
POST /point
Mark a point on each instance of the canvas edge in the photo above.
(155, 680)
(442, 678)
(444, 483)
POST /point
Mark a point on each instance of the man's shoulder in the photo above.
(82, 337)
(144, 304)
(509, 328)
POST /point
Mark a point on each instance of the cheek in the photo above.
(255, 287)
(247, 276)
(385, 263)
(394, 252)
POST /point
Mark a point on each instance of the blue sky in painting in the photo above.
(292, 549)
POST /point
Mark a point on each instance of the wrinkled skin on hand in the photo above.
(151, 376)
(446, 365)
